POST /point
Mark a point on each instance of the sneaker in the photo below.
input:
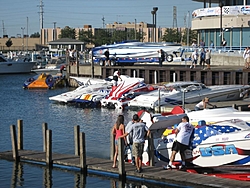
(182, 167)
(191, 67)
(138, 170)
(167, 167)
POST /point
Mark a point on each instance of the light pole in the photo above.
(23, 36)
(153, 13)
(155, 10)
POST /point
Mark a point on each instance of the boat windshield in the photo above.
(186, 87)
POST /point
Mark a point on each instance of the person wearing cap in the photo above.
(183, 136)
(203, 104)
(139, 129)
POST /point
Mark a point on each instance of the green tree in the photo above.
(68, 32)
(193, 35)
(86, 36)
(35, 35)
(172, 35)
(9, 43)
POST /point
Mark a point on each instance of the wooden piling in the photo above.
(234, 106)
(76, 139)
(151, 149)
(239, 108)
(112, 145)
(121, 164)
(14, 143)
(45, 128)
(83, 153)
(20, 134)
(49, 161)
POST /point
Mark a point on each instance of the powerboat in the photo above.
(217, 114)
(188, 92)
(50, 69)
(44, 81)
(93, 99)
(221, 144)
(121, 94)
(69, 96)
(19, 65)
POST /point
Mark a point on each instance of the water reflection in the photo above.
(17, 179)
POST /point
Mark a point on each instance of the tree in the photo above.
(9, 43)
(172, 35)
(86, 36)
(68, 32)
(193, 35)
(35, 35)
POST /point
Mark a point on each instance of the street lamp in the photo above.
(23, 36)
(153, 13)
(155, 10)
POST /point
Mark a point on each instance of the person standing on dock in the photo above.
(161, 57)
(183, 134)
(118, 130)
(202, 58)
(208, 59)
(107, 60)
(195, 56)
(139, 129)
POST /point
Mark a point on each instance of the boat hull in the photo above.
(16, 67)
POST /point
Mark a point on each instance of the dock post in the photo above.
(234, 106)
(112, 145)
(239, 108)
(20, 134)
(121, 165)
(45, 128)
(83, 153)
(76, 138)
(49, 161)
(14, 143)
(159, 100)
(151, 149)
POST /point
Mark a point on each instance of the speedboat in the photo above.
(124, 92)
(44, 81)
(220, 144)
(93, 99)
(52, 69)
(69, 96)
(189, 92)
(217, 114)
(19, 65)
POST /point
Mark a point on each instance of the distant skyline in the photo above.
(77, 13)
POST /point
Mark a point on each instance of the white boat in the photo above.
(20, 65)
(222, 144)
(217, 114)
(52, 69)
(192, 92)
(92, 99)
(71, 95)
(124, 92)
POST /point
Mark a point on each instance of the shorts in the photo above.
(137, 149)
(208, 61)
(194, 61)
(107, 58)
(248, 60)
(116, 142)
(179, 147)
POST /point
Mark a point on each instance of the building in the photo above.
(229, 20)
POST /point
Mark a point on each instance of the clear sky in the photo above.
(76, 13)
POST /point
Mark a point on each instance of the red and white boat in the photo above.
(128, 89)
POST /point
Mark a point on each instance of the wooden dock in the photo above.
(124, 172)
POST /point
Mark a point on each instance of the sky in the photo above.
(17, 14)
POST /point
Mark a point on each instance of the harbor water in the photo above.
(35, 108)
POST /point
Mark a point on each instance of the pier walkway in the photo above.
(148, 173)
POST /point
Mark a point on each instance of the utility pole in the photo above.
(103, 21)
(41, 19)
(188, 28)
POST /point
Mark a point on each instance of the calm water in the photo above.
(34, 108)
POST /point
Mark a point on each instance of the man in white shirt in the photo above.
(195, 56)
(183, 133)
